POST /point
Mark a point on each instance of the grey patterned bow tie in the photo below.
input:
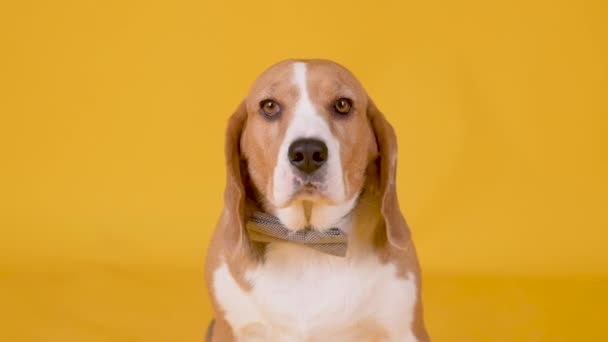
(265, 228)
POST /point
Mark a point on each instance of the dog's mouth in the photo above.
(309, 187)
(314, 188)
(309, 191)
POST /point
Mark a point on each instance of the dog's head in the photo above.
(301, 146)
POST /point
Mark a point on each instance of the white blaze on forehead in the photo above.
(299, 72)
(306, 122)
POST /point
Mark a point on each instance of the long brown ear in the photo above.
(397, 230)
(235, 236)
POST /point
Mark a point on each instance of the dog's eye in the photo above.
(342, 106)
(270, 108)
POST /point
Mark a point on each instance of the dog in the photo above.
(311, 244)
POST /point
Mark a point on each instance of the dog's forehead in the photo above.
(322, 75)
(328, 74)
(278, 75)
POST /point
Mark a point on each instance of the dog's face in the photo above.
(307, 142)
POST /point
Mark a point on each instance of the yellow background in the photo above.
(111, 135)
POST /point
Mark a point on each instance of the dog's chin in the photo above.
(310, 208)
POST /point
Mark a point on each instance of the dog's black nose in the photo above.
(307, 154)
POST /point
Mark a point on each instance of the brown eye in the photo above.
(342, 106)
(270, 108)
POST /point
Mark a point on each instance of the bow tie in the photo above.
(265, 228)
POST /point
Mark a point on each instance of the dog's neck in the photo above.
(265, 228)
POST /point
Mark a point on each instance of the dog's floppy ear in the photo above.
(397, 230)
(234, 195)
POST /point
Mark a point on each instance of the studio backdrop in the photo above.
(112, 119)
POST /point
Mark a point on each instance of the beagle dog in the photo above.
(311, 244)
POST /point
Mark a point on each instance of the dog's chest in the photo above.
(300, 294)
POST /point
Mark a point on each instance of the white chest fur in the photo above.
(300, 294)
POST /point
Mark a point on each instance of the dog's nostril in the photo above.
(317, 157)
(299, 156)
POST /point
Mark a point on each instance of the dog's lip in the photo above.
(308, 189)
(309, 186)
(308, 194)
